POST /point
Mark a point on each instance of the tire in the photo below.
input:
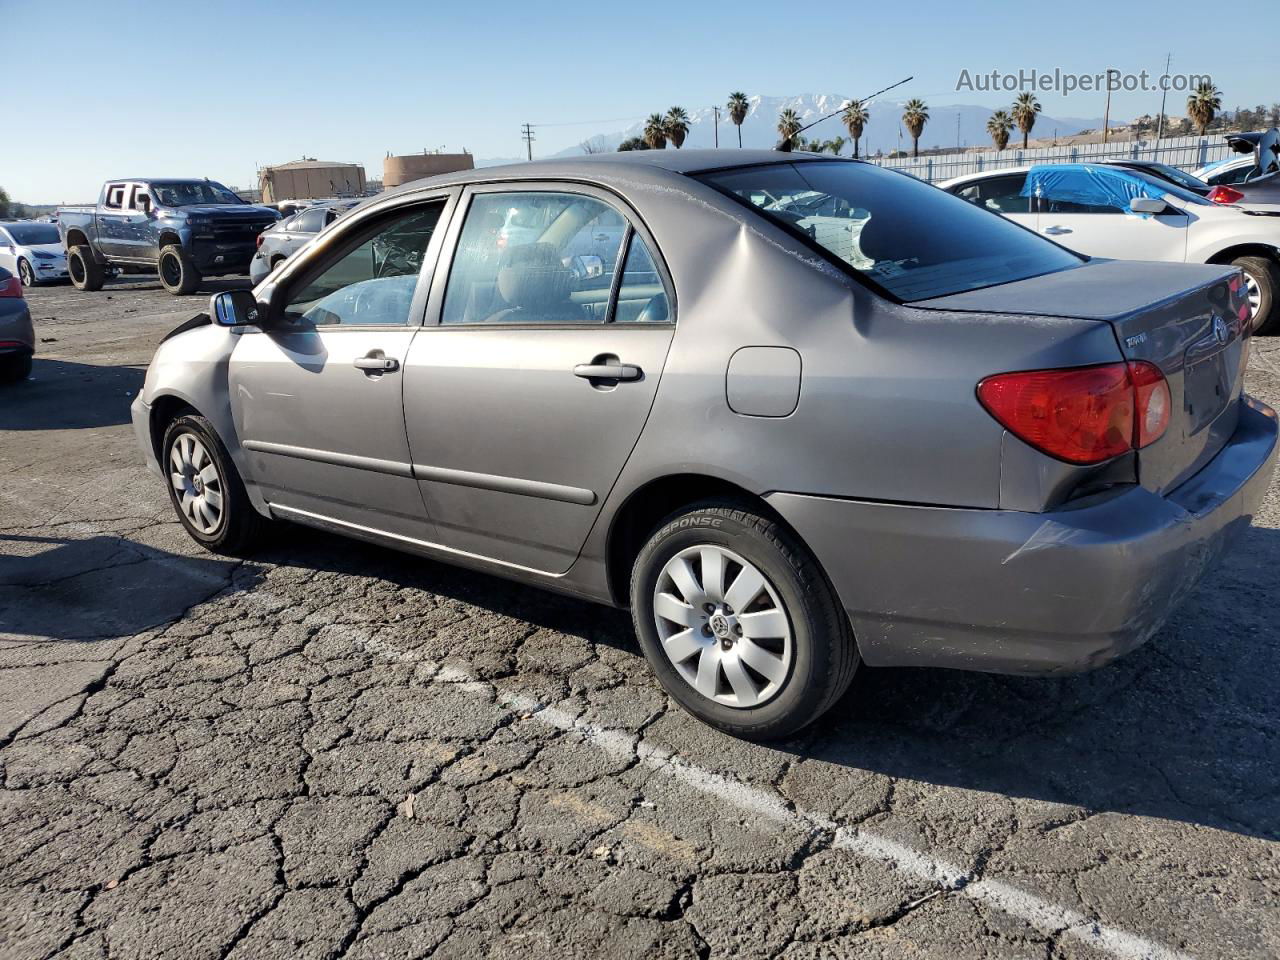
(25, 273)
(1264, 274)
(86, 273)
(178, 272)
(237, 527)
(795, 617)
(15, 367)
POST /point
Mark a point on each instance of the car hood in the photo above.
(55, 248)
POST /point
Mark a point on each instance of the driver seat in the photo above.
(537, 287)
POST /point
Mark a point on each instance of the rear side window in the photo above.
(309, 221)
(534, 258)
(909, 239)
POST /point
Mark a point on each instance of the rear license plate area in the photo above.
(1205, 391)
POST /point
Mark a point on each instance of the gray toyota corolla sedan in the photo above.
(799, 414)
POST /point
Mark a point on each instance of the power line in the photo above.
(526, 134)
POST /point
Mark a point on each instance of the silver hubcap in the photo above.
(196, 483)
(1255, 295)
(723, 626)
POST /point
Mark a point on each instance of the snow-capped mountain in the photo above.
(760, 128)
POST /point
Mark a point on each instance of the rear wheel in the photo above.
(206, 490)
(739, 622)
(26, 274)
(1262, 277)
(86, 273)
(15, 367)
(178, 271)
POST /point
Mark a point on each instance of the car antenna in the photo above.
(785, 144)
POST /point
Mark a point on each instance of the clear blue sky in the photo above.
(213, 88)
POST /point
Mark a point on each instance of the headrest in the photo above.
(532, 277)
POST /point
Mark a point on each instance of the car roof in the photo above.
(605, 166)
(984, 174)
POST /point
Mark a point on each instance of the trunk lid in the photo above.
(1183, 318)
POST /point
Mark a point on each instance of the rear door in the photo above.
(526, 395)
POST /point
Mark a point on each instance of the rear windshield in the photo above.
(912, 240)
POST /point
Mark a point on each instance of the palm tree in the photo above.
(1204, 102)
(739, 106)
(855, 117)
(788, 124)
(1024, 113)
(677, 126)
(655, 131)
(915, 115)
(835, 145)
(999, 126)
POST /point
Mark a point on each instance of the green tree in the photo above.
(856, 117)
(655, 131)
(1203, 105)
(633, 143)
(835, 145)
(788, 125)
(677, 126)
(739, 106)
(4, 204)
(914, 116)
(1025, 108)
(999, 126)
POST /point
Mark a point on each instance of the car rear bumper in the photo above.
(140, 412)
(1012, 592)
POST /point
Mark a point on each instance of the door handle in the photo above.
(1056, 231)
(608, 371)
(377, 364)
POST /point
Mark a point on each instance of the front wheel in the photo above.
(26, 274)
(86, 272)
(739, 622)
(1262, 279)
(206, 490)
(178, 273)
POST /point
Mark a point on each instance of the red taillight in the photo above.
(1083, 414)
(258, 243)
(1224, 194)
(11, 287)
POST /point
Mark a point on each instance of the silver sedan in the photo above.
(802, 413)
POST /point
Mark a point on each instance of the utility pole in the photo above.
(717, 110)
(526, 134)
(1106, 116)
(957, 130)
(1168, 60)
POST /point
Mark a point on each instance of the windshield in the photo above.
(1180, 177)
(910, 239)
(32, 234)
(188, 193)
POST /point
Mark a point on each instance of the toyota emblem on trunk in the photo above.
(1219, 329)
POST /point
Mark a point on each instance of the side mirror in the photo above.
(234, 308)
(586, 267)
(1147, 205)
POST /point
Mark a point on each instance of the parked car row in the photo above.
(807, 413)
(285, 237)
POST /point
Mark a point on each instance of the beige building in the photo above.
(307, 179)
(415, 166)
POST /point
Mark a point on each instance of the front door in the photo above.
(317, 394)
(1107, 230)
(526, 398)
(112, 220)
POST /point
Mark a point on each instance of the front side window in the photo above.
(373, 281)
(534, 258)
(910, 239)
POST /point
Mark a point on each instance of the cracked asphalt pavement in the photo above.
(336, 750)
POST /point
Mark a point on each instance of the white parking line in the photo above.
(1044, 915)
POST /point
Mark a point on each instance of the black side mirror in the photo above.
(235, 308)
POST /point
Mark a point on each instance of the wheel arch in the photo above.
(168, 238)
(77, 238)
(647, 505)
(1229, 254)
(164, 410)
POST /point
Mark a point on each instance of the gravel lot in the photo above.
(335, 749)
